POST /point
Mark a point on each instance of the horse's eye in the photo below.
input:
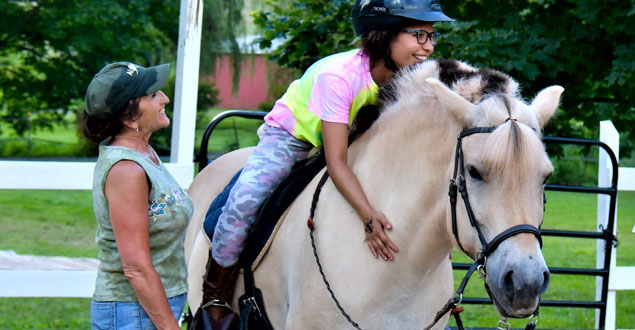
(474, 173)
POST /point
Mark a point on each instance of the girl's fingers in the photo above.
(385, 240)
(372, 250)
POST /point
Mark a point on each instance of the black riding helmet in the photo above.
(370, 15)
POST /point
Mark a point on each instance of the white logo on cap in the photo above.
(132, 69)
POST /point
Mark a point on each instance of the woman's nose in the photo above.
(165, 99)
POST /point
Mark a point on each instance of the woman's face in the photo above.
(152, 112)
(406, 50)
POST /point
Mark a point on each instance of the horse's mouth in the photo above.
(510, 314)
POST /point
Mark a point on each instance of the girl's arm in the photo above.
(127, 192)
(335, 138)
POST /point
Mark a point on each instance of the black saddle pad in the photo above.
(273, 207)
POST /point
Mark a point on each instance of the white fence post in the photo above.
(185, 96)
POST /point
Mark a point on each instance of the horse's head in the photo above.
(504, 169)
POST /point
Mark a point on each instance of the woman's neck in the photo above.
(133, 140)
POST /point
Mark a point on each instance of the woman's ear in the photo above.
(131, 123)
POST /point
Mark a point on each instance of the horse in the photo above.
(404, 162)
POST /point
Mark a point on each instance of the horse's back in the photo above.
(206, 186)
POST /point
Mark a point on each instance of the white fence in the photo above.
(620, 278)
(77, 175)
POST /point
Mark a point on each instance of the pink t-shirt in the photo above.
(333, 89)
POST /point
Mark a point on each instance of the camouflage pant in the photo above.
(270, 163)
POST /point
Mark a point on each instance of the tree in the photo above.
(587, 46)
(223, 23)
(49, 50)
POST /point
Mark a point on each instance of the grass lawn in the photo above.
(61, 140)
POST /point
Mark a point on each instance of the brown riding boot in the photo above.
(218, 290)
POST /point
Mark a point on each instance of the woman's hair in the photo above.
(376, 43)
(96, 129)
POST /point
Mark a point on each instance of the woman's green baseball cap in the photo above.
(114, 85)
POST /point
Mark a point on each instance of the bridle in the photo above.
(457, 184)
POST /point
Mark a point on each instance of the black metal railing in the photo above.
(201, 158)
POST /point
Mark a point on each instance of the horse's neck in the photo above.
(403, 164)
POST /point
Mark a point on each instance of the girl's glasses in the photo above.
(423, 36)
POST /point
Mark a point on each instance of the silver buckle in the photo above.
(503, 325)
(254, 305)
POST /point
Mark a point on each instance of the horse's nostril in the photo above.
(546, 277)
(508, 281)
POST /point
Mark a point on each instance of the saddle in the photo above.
(271, 210)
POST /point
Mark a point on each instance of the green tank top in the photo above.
(169, 212)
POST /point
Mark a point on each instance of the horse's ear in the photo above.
(461, 108)
(546, 103)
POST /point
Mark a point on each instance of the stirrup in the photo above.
(217, 302)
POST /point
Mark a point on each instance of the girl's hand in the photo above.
(376, 238)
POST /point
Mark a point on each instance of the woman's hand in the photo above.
(376, 238)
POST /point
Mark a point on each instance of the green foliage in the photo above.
(49, 50)
(587, 46)
(222, 24)
(312, 29)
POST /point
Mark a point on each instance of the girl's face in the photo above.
(405, 48)
(152, 112)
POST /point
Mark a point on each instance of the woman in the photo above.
(141, 210)
(316, 111)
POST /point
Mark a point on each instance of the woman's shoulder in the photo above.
(128, 171)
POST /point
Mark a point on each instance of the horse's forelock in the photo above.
(511, 151)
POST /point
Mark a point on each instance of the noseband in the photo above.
(458, 183)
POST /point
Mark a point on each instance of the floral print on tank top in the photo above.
(166, 204)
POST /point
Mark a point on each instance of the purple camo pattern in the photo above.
(269, 164)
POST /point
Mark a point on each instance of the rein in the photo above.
(457, 184)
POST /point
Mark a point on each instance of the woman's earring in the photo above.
(137, 129)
